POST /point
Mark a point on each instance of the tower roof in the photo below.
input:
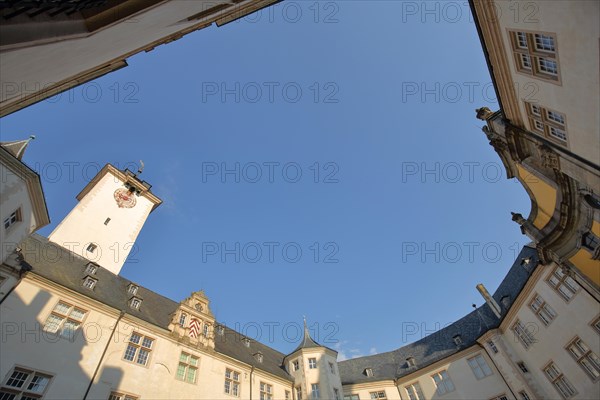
(17, 147)
(307, 342)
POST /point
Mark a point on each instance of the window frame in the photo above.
(536, 55)
(414, 391)
(479, 366)
(65, 317)
(444, 382)
(13, 219)
(315, 391)
(235, 384)
(587, 355)
(266, 391)
(561, 283)
(543, 308)
(559, 377)
(541, 123)
(119, 395)
(187, 365)
(25, 388)
(312, 363)
(138, 347)
(377, 394)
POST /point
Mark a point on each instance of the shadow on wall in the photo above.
(63, 356)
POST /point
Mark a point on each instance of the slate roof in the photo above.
(440, 344)
(66, 268)
(17, 147)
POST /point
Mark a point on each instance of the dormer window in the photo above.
(182, 319)
(296, 365)
(457, 340)
(135, 303)
(89, 282)
(132, 289)
(410, 361)
(246, 342)
(220, 330)
(91, 269)
(259, 357)
(369, 372)
(91, 247)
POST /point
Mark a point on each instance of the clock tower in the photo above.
(110, 214)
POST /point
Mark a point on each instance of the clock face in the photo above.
(124, 198)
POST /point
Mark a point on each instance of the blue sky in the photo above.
(352, 125)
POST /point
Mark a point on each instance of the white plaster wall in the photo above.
(14, 194)
(85, 224)
(575, 24)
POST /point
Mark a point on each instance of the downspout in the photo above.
(497, 369)
(102, 356)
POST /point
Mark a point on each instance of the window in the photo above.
(523, 395)
(314, 388)
(457, 340)
(523, 334)
(590, 241)
(106, 221)
(479, 367)
(336, 394)
(492, 346)
(182, 319)
(91, 269)
(443, 382)
(266, 391)
(138, 349)
(89, 282)
(332, 368)
(24, 384)
(369, 372)
(132, 289)
(91, 247)
(232, 382)
(414, 391)
(596, 324)
(246, 342)
(546, 122)
(135, 303)
(64, 319)
(296, 365)
(586, 358)
(287, 395)
(205, 331)
(563, 284)
(12, 219)
(121, 396)
(501, 397)
(298, 393)
(543, 311)
(522, 366)
(312, 363)
(259, 357)
(410, 361)
(536, 54)
(187, 370)
(378, 395)
(559, 381)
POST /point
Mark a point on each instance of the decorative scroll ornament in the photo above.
(124, 198)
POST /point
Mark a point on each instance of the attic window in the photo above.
(91, 269)
(132, 289)
(135, 303)
(91, 247)
(106, 221)
(220, 330)
(368, 372)
(259, 357)
(246, 342)
(89, 282)
(457, 340)
(410, 361)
